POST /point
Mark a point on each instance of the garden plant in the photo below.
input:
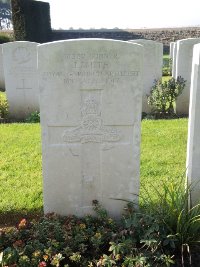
(3, 106)
(161, 233)
(163, 96)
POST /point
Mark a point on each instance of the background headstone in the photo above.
(153, 62)
(183, 69)
(91, 97)
(171, 49)
(2, 79)
(20, 69)
(174, 57)
(193, 145)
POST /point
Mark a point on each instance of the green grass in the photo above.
(20, 169)
(163, 155)
(163, 152)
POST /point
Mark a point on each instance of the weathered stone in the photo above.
(171, 49)
(2, 79)
(20, 69)
(183, 69)
(193, 146)
(153, 61)
(174, 58)
(91, 97)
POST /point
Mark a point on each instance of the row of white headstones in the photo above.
(181, 53)
(90, 100)
(20, 71)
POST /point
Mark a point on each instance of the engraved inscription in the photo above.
(91, 128)
(23, 86)
(95, 56)
(92, 69)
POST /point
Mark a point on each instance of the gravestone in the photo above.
(183, 69)
(174, 58)
(171, 49)
(193, 145)
(153, 61)
(91, 97)
(2, 79)
(20, 69)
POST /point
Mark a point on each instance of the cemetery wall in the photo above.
(164, 35)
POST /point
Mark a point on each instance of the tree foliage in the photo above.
(5, 15)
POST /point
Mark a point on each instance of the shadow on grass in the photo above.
(12, 218)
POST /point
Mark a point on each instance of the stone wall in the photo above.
(164, 35)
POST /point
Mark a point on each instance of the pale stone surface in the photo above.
(20, 69)
(183, 69)
(2, 79)
(193, 145)
(153, 61)
(91, 97)
(174, 57)
(171, 49)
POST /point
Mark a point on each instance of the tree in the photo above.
(31, 20)
(5, 15)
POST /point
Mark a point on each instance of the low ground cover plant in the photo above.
(34, 117)
(158, 234)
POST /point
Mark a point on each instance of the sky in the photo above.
(123, 14)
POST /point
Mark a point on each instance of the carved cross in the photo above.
(93, 137)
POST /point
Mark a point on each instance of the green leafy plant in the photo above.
(3, 107)
(180, 222)
(34, 117)
(163, 95)
(5, 37)
(156, 235)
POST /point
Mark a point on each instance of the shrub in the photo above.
(5, 38)
(31, 20)
(163, 95)
(34, 117)
(3, 107)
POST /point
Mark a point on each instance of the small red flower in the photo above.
(22, 224)
(42, 264)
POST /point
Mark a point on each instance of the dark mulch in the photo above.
(11, 219)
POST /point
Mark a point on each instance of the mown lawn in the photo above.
(20, 170)
(163, 152)
(163, 155)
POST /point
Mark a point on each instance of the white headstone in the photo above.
(183, 69)
(193, 146)
(91, 96)
(153, 61)
(171, 49)
(2, 79)
(174, 58)
(20, 69)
